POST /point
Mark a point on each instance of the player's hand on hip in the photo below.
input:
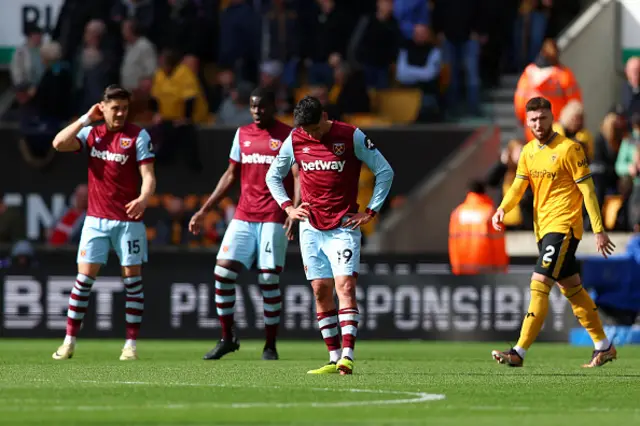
(357, 220)
(136, 208)
(95, 113)
(288, 227)
(604, 244)
(195, 223)
(299, 213)
(498, 219)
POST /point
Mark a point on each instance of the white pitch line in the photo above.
(414, 398)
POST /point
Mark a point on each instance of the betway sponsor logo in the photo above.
(323, 165)
(109, 156)
(257, 159)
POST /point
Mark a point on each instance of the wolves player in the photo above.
(330, 155)
(257, 231)
(119, 154)
(558, 172)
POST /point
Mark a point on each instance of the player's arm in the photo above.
(145, 158)
(74, 136)
(295, 171)
(225, 182)
(279, 169)
(518, 187)
(366, 151)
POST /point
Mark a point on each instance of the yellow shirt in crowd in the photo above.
(171, 92)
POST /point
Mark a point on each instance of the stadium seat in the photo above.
(364, 120)
(610, 209)
(399, 105)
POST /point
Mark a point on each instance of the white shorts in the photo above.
(128, 239)
(263, 242)
(328, 254)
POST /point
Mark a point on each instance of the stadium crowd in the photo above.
(194, 62)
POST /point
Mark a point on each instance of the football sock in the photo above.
(78, 303)
(349, 318)
(130, 343)
(134, 306)
(328, 324)
(225, 299)
(537, 312)
(269, 281)
(587, 313)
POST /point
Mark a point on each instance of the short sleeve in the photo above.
(522, 172)
(144, 148)
(83, 134)
(234, 155)
(576, 163)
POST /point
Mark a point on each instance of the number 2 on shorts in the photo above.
(549, 251)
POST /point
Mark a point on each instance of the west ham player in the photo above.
(120, 157)
(259, 231)
(330, 155)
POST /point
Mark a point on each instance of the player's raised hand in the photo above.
(95, 113)
(136, 208)
(357, 220)
(498, 219)
(195, 224)
(288, 227)
(299, 213)
(604, 244)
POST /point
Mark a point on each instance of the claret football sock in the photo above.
(269, 281)
(225, 299)
(78, 304)
(586, 312)
(134, 306)
(328, 324)
(537, 312)
(349, 319)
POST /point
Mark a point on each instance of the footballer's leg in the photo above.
(318, 270)
(130, 242)
(272, 248)
(553, 249)
(585, 310)
(93, 252)
(237, 250)
(343, 250)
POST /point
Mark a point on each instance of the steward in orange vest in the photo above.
(474, 246)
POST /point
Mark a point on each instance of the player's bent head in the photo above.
(477, 186)
(115, 105)
(308, 112)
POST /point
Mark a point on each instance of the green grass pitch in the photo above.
(395, 383)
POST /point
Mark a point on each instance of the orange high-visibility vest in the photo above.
(474, 246)
(555, 83)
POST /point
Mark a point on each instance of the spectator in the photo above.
(530, 29)
(353, 97)
(283, 42)
(235, 109)
(628, 170)
(631, 90)
(11, 223)
(140, 59)
(461, 25)
(225, 82)
(26, 66)
(374, 44)
(328, 48)
(410, 13)
(23, 258)
(140, 11)
(179, 104)
(239, 43)
(419, 65)
(497, 53)
(270, 78)
(605, 152)
(69, 226)
(322, 94)
(173, 228)
(475, 247)
(548, 78)
(571, 124)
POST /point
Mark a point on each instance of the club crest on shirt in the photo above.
(126, 142)
(274, 144)
(554, 157)
(338, 148)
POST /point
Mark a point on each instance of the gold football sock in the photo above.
(586, 311)
(537, 312)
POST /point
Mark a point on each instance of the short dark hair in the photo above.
(477, 187)
(308, 111)
(266, 94)
(536, 104)
(115, 92)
